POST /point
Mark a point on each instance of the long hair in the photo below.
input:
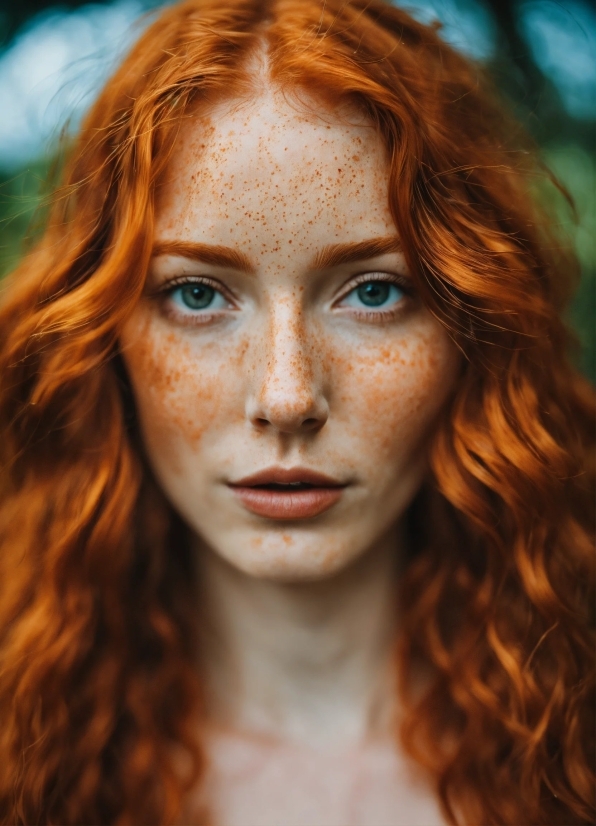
(99, 694)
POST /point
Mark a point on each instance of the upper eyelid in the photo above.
(180, 280)
(391, 278)
(378, 275)
(359, 278)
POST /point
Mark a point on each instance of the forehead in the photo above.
(274, 172)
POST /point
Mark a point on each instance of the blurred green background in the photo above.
(542, 54)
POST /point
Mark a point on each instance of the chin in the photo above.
(286, 558)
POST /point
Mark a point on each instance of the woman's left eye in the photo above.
(374, 295)
(196, 296)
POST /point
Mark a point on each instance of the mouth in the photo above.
(295, 493)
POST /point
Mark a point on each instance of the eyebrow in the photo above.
(336, 254)
(330, 256)
(214, 254)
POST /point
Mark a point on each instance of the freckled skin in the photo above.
(285, 376)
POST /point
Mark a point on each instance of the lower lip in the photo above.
(299, 504)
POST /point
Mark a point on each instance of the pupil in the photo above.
(197, 296)
(374, 293)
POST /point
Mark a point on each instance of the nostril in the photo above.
(287, 413)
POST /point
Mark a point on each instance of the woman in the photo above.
(289, 344)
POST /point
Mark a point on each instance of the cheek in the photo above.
(179, 388)
(394, 392)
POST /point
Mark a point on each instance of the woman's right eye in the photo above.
(196, 296)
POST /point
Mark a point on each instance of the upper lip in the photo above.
(283, 476)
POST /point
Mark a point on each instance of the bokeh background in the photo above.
(541, 53)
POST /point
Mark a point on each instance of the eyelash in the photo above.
(165, 292)
(396, 310)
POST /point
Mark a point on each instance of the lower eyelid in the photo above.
(190, 319)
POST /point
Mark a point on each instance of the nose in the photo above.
(287, 393)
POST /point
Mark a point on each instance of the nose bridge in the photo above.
(287, 394)
(287, 349)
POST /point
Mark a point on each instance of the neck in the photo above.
(303, 662)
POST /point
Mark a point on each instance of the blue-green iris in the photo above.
(197, 296)
(374, 293)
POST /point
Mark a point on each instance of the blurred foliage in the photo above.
(21, 195)
(576, 167)
(14, 14)
(567, 145)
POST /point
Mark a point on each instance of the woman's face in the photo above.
(279, 338)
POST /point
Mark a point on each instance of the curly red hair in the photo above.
(99, 695)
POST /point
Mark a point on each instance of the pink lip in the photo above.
(291, 504)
